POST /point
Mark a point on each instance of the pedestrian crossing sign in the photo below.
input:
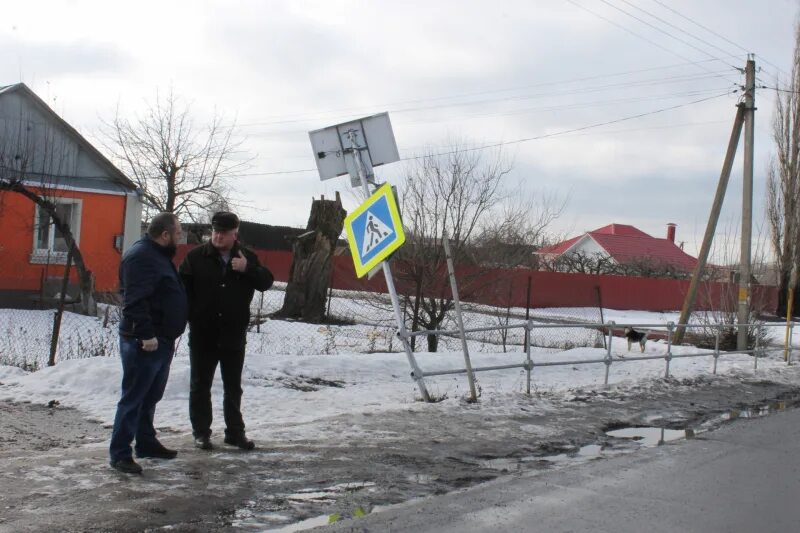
(374, 230)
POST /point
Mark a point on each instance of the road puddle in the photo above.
(755, 412)
(650, 436)
(518, 464)
(302, 525)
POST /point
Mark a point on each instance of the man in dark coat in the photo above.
(220, 278)
(154, 313)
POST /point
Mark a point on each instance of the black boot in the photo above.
(203, 442)
(157, 452)
(240, 441)
(126, 466)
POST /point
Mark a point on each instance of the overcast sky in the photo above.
(475, 72)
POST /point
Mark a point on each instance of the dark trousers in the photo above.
(144, 378)
(203, 366)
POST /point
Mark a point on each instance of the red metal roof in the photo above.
(626, 243)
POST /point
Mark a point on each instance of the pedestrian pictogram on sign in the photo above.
(375, 233)
(374, 230)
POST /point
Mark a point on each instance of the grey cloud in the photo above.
(58, 59)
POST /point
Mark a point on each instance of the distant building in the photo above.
(624, 244)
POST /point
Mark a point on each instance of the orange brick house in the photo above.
(101, 205)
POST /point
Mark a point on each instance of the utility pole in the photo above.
(747, 203)
(711, 227)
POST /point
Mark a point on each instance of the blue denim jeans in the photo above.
(144, 378)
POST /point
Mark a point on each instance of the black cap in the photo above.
(224, 221)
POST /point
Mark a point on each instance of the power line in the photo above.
(527, 110)
(564, 132)
(319, 115)
(598, 15)
(668, 34)
(481, 147)
(726, 52)
(709, 30)
(584, 90)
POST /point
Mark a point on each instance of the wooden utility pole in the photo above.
(747, 204)
(711, 227)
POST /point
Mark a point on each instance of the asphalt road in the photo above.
(743, 477)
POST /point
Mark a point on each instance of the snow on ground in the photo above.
(285, 394)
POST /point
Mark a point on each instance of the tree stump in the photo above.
(310, 274)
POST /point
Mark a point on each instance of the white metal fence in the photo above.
(529, 364)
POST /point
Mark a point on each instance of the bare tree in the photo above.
(516, 230)
(180, 167)
(453, 194)
(783, 181)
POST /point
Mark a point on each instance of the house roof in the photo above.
(114, 173)
(626, 243)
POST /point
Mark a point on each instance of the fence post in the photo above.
(668, 357)
(330, 294)
(755, 353)
(600, 306)
(528, 362)
(608, 349)
(528, 313)
(716, 350)
(260, 306)
(51, 361)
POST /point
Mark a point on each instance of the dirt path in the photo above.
(54, 475)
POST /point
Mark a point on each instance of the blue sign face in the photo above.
(373, 230)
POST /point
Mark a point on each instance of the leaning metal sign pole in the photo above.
(416, 372)
(332, 141)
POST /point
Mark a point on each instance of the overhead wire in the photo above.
(319, 115)
(579, 91)
(571, 130)
(668, 34)
(471, 149)
(716, 34)
(627, 30)
(685, 32)
(529, 110)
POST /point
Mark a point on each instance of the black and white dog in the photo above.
(635, 336)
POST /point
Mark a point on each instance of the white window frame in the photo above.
(48, 255)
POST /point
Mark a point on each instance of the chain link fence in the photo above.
(357, 322)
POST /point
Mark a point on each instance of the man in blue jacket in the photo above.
(154, 314)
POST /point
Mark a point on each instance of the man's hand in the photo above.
(239, 264)
(150, 345)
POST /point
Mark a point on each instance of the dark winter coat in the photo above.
(219, 297)
(153, 298)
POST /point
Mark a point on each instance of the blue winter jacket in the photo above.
(153, 298)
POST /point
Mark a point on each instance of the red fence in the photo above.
(499, 287)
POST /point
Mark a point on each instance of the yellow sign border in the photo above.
(384, 190)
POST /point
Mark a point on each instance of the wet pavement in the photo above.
(738, 478)
(54, 475)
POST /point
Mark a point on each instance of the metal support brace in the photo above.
(789, 355)
(668, 357)
(473, 396)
